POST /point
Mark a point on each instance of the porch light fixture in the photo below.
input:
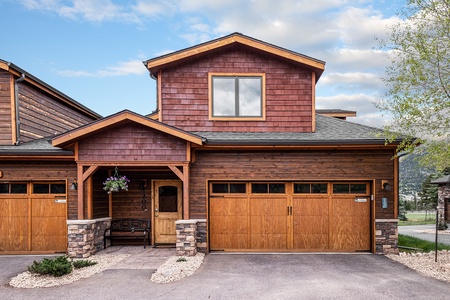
(385, 185)
(74, 185)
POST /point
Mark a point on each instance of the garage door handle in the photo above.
(289, 210)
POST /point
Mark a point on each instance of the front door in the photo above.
(167, 209)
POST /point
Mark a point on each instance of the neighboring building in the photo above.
(238, 151)
(443, 200)
(33, 173)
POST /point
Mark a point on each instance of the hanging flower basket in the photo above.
(116, 183)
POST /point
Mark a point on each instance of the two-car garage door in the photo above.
(297, 216)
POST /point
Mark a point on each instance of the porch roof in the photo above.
(118, 119)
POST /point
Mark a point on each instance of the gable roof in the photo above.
(329, 132)
(233, 40)
(442, 180)
(118, 119)
(33, 80)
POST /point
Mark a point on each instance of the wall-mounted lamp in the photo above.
(74, 185)
(385, 185)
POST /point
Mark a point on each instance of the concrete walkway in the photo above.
(248, 276)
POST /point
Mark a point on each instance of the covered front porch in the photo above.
(154, 157)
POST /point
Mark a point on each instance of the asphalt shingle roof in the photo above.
(329, 131)
(36, 147)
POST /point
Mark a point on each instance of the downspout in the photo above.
(16, 96)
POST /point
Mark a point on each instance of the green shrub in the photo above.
(78, 264)
(56, 267)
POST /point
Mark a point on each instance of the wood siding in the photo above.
(291, 166)
(132, 142)
(42, 116)
(184, 94)
(5, 108)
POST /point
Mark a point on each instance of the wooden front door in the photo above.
(167, 210)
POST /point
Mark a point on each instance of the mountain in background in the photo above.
(412, 174)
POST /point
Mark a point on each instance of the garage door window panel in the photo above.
(268, 188)
(13, 188)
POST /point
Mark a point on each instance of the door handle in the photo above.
(156, 212)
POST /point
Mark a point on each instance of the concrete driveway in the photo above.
(252, 276)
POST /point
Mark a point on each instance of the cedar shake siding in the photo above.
(43, 116)
(317, 165)
(185, 94)
(132, 142)
(5, 108)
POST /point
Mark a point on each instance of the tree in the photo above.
(418, 80)
(429, 194)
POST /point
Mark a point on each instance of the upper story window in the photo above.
(237, 96)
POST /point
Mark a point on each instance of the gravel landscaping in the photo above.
(424, 263)
(177, 267)
(28, 280)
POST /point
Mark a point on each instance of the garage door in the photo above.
(33, 217)
(289, 216)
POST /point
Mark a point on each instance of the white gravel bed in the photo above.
(176, 268)
(424, 263)
(28, 280)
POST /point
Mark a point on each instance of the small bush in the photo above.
(78, 264)
(181, 259)
(56, 267)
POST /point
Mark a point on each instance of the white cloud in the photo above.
(133, 67)
(92, 11)
(352, 80)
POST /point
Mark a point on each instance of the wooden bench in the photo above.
(135, 229)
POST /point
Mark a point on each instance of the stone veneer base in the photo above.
(85, 237)
(386, 236)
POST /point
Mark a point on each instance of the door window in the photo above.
(168, 199)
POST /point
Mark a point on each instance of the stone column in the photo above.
(386, 236)
(186, 237)
(85, 237)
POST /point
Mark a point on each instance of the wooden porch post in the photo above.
(80, 192)
(186, 192)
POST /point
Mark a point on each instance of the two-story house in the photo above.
(238, 152)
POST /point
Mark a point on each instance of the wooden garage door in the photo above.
(33, 217)
(290, 216)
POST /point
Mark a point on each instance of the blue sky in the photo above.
(92, 50)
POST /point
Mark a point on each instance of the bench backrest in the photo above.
(130, 225)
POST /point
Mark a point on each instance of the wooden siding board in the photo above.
(184, 93)
(5, 109)
(291, 165)
(132, 142)
(43, 116)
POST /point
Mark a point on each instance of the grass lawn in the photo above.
(419, 218)
(412, 242)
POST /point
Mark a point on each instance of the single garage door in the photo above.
(33, 217)
(298, 216)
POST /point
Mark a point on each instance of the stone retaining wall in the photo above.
(386, 236)
(85, 237)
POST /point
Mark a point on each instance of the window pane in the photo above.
(4, 188)
(220, 188)
(40, 188)
(58, 188)
(18, 188)
(250, 97)
(319, 188)
(168, 196)
(224, 96)
(238, 188)
(259, 188)
(302, 188)
(276, 188)
(341, 189)
(358, 188)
